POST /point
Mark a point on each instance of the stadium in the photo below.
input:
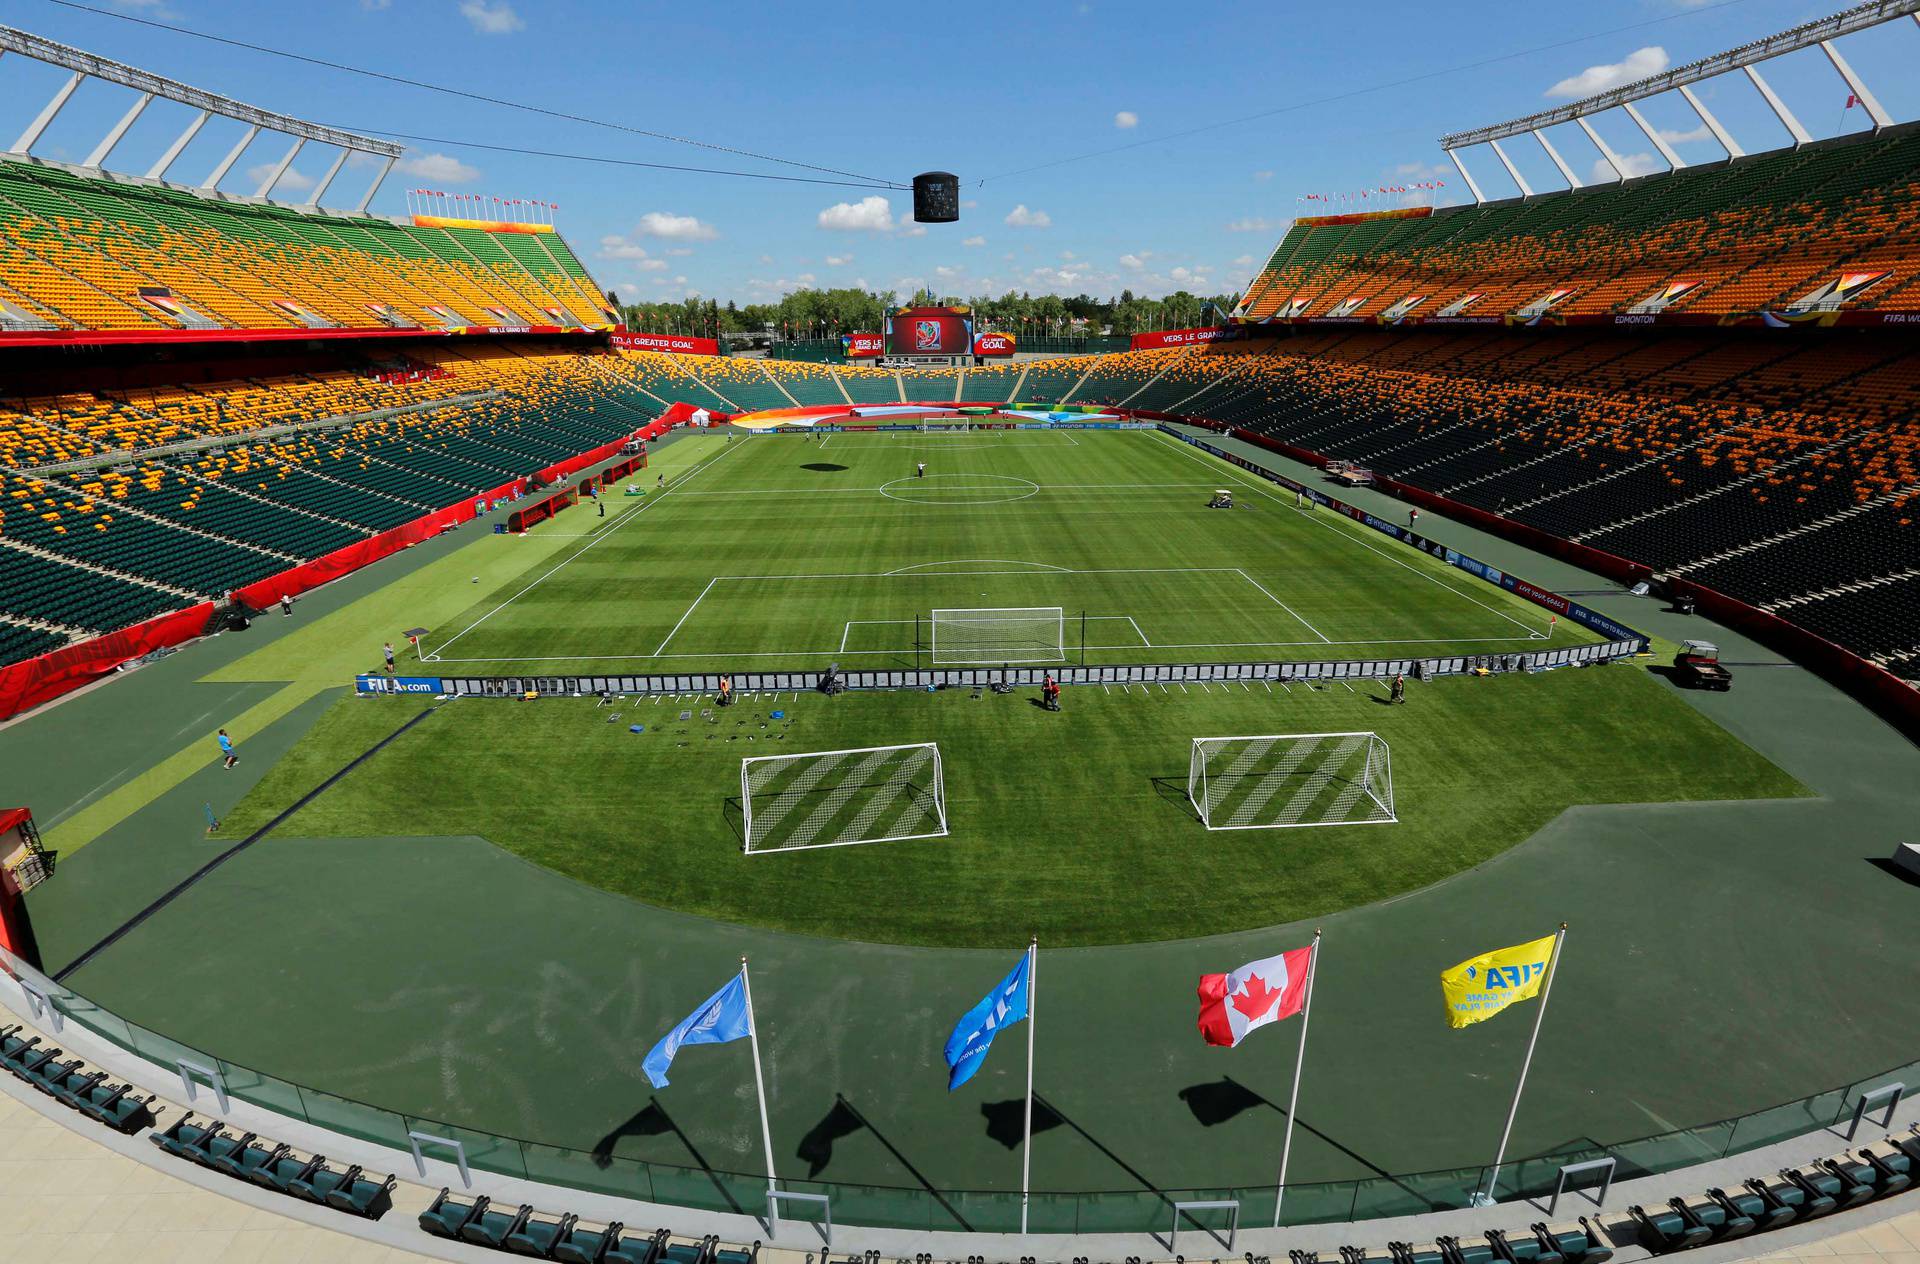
(432, 708)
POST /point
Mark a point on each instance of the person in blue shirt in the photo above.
(226, 749)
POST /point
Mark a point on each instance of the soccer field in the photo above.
(787, 551)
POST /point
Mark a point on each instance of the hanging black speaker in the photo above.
(936, 197)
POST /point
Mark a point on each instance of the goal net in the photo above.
(1291, 779)
(838, 798)
(1020, 634)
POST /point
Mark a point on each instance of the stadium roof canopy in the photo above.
(1746, 59)
(84, 66)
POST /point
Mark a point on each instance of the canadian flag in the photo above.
(1258, 993)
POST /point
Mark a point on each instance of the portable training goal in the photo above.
(1013, 634)
(815, 799)
(1291, 779)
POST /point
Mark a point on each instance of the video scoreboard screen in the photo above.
(930, 331)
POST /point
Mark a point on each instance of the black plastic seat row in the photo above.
(1802, 1193)
(275, 1166)
(1575, 1242)
(70, 1083)
(522, 1231)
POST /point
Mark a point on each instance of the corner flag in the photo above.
(973, 1035)
(724, 1016)
(1482, 986)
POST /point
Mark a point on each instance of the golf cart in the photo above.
(1697, 666)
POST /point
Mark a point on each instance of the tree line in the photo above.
(810, 313)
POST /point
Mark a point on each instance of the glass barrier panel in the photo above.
(1119, 1211)
(878, 1206)
(250, 1085)
(991, 1211)
(355, 1119)
(166, 1051)
(1324, 1202)
(1418, 1193)
(1536, 1177)
(1671, 1150)
(709, 1190)
(582, 1169)
(485, 1152)
(1793, 1119)
(103, 1023)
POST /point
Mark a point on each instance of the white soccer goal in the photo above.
(1017, 634)
(1291, 779)
(838, 798)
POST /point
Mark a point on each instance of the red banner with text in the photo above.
(675, 344)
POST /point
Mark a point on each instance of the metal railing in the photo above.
(962, 1210)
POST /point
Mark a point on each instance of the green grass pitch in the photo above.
(1075, 826)
(791, 552)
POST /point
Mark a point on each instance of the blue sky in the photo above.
(983, 89)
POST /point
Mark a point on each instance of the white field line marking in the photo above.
(1284, 606)
(908, 573)
(689, 610)
(1321, 519)
(907, 649)
(810, 492)
(963, 561)
(598, 537)
(1144, 642)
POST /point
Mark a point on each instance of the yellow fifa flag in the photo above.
(1482, 986)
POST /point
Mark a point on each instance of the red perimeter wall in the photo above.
(26, 685)
(1890, 697)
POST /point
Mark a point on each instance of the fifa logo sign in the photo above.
(1509, 976)
(926, 335)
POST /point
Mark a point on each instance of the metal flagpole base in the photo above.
(1480, 1199)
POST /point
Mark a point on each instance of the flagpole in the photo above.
(759, 1084)
(1026, 1145)
(1300, 1060)
(1546, 993)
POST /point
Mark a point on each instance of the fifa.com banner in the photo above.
(1547, 599)
(678, 344)
(372, 684)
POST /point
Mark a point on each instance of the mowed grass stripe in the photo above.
(1116, 529)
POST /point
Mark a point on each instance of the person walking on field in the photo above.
(227, 751)
(1399, 691)
(922, 472)
(389, 654)
(286, 606)
(1413, 518)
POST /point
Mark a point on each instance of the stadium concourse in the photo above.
(390, 958)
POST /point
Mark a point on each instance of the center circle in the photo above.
(960, 489)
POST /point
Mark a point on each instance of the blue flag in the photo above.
(973, 1034)
(722, 1017)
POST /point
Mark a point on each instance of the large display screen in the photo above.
(930, 331)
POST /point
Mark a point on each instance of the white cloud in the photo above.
(1126, 119)
(374, 6)
(1263, 176)
(1243, 261)
(293, 181)
(674, 227)
(970, 204)
(839, 261)
(1637, 64)
(614, 246)
(679, 252)
(1068, 255)
(1021, 217)
(974, 241)
(1636, 165)
(440, 168)
(872, 214)
(1255, 224)
(1674, 136)
(491, 17)
(916, 230)
(1136, 262)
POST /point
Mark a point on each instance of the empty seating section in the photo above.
(101, 253)
(744, 382)
(1755, 233)
(991, 384)
(184, 492)
(1784, 472)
